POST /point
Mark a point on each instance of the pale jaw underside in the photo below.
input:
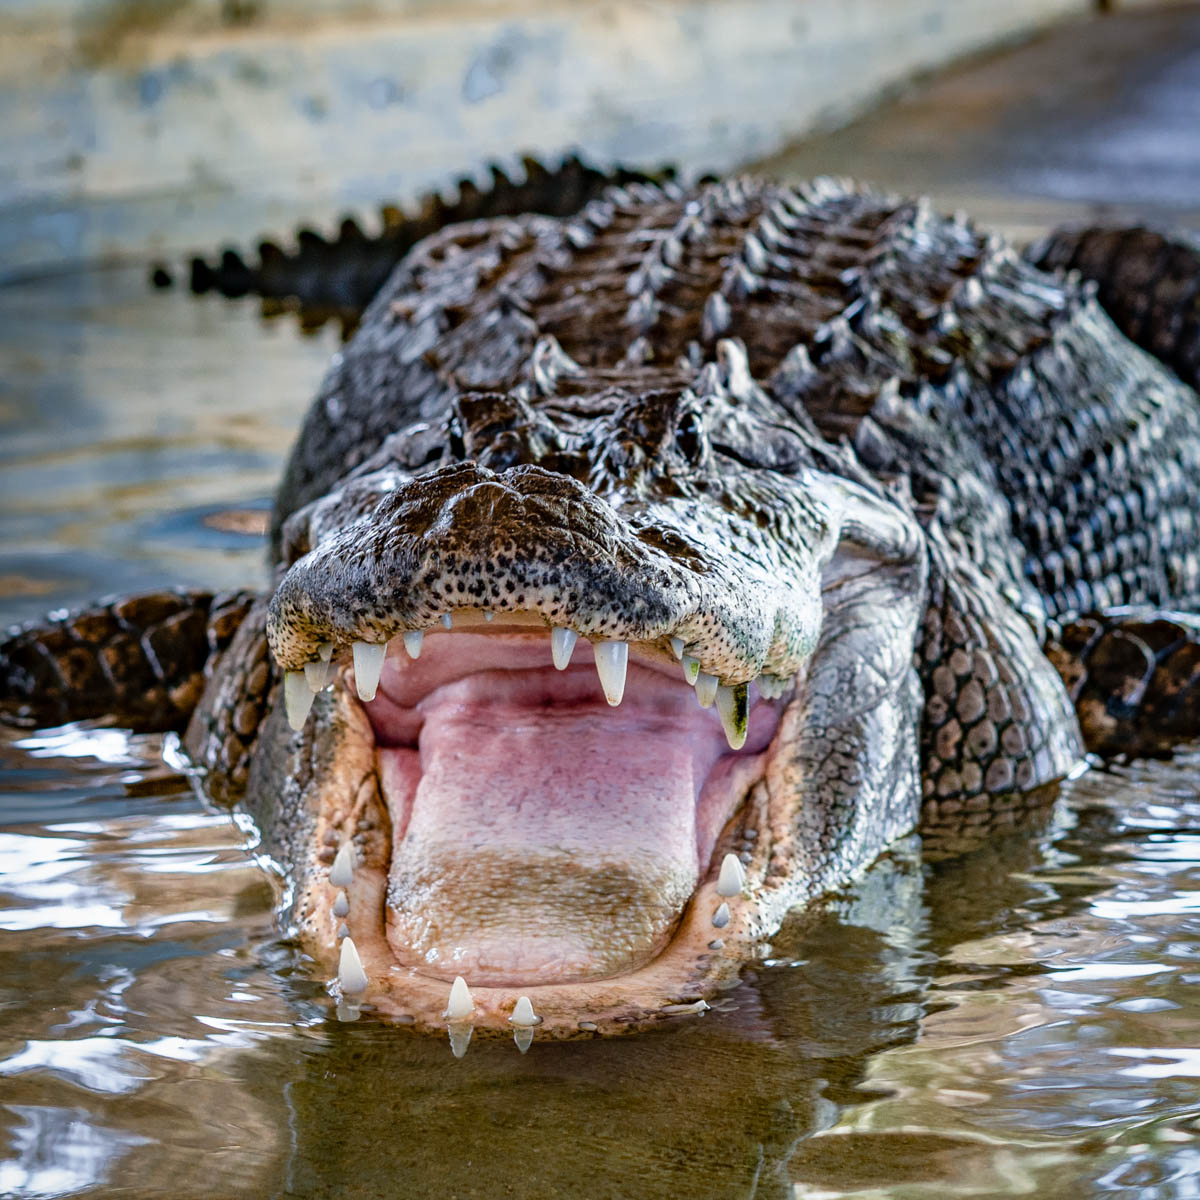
(561, 837)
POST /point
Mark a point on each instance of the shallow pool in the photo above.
(1023, 1021)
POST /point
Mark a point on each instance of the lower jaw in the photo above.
(715, 937)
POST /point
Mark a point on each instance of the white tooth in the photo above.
(341, 906)
(297, 698)
(368, 666)
(562, 643)
(523, 1014)
(412, 642)
(460, 1037)
(728, 706)
(489, 616)
(612, 658)
(447, 620)
(691, 668)
(351, 975)
(460, 1005)
(325, 651)
(341, 874)
(677, 645)
(316, 675)
(343, 931)
(684, 1010)
(523, 1036)
(706, 689)
(732, 878)
(721, 916)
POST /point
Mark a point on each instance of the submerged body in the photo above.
(649, 571)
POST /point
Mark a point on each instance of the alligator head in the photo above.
(590, 688)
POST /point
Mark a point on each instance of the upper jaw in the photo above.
(406, 552)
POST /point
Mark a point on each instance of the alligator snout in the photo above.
(396, 555)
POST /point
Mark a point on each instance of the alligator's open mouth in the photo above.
(553, 819)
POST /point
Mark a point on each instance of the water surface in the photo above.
(1023, 1021)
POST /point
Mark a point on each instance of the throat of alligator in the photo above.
(538, 833)
(540, 838)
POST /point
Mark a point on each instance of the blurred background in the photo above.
(133, 128)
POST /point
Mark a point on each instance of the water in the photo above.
(1023, 1021)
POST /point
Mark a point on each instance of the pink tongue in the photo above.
(539, 844)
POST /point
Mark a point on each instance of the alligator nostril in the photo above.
(689, 437)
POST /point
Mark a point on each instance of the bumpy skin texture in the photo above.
(322, 280)
(1134, 676)
(139, 660)
(1147, 279)
(818, 434)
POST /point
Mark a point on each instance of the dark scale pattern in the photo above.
(998, 726)
(241, 685)
(322, 279)
(1148, 281)
(140, 660)
(1134, 677)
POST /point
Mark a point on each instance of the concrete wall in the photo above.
(132, 128)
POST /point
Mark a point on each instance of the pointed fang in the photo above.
(562, 643)
(460, 1037)
(447, 620)
(317, 675)
(721, 917)
(351, 975)
(677, 647)
(368, 666)
(412, 642)
(734, 706)
(612, 659)
(341, 874)
(523, 1014)
(341, 906)
(706, 689)
(297, 698)
(460, 1006)
(523, 1036)
(691, 669)
(489, 616)
(733, 877)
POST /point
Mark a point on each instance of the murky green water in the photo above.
(1025, 1021)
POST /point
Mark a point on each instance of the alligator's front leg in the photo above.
(137, 662)
(998, 732)
(1134, 676)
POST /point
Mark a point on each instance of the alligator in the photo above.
(642, 573)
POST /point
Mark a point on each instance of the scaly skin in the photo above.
(852, 457)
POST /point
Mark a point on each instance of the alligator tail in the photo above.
(1148, 282)
(324, 279)
(1134, 677)
(138, 662)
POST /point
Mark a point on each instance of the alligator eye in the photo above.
(689, 437)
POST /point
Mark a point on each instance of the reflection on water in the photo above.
(1024, 1021)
